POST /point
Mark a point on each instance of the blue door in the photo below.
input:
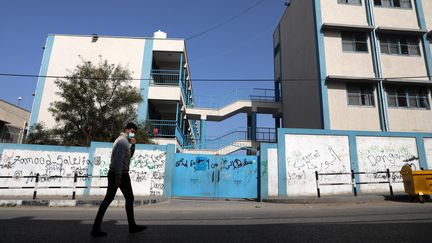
(237, 177)
(215, 176)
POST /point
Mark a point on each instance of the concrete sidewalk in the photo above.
(46, 201)
(49, 201)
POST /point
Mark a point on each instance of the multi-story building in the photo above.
(355, 64)
(159, 67)
(13, 122)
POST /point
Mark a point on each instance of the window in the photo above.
(354, 42)
(276, 49)
(360, 95)
(358, 2)
(393, 3)
(400, 45)
(409, 97)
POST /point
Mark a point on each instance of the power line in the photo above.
(204, 79)
(226, 21)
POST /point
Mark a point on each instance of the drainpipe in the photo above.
(382, 101)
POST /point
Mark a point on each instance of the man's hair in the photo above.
(131, 126)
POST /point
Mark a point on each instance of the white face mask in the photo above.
(131, 135)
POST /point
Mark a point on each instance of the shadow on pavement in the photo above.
(406, 198)
(31, 230)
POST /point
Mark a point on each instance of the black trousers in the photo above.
(126, 189)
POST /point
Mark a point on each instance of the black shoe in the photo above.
(137, 228)
(98, 233)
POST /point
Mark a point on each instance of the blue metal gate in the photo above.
(214, 176)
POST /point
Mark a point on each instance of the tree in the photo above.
(96, 103)
(39, 134)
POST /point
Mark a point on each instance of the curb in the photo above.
(73, 203)
(343, 199)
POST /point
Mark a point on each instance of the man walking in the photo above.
(118, 177)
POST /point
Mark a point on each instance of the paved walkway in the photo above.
(50, 201)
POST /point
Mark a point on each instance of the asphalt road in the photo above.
(220, 221)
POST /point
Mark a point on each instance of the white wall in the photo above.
(396, 17)
(428, 150)
(306, 154)
(163, 93)
(272, 172)
(381, 153)
(339, 63)
(346, 13)
(147, 171)
(17, 162)
(409, 120)
(176, 45)
(349, 117)
(69, 51)
(427, 11)
(396, 66)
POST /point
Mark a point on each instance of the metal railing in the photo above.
(263, 134)
(165, 77)
(38, 177)
(219, 101)
(354, 183)
(162, 128)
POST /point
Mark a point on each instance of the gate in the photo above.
(214, 176)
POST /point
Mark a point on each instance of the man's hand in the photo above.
(133, 141)
(118, 180)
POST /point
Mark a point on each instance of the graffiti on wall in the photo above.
(203, 175)
(377, 154)
(306, 154)
(147, 170)
(428, 150)
(44, 163)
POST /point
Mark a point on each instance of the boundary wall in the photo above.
(288, 168)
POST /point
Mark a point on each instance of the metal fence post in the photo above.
(354, 184)
(389, 182)
(317, 184)
(36, 185)
(74, 185)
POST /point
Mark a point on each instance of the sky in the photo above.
(239, 49)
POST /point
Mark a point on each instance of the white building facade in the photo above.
(158, 66)
(355, 64)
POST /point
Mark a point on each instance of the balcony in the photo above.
(165, 77)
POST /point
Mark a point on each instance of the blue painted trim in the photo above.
(282, 177)
(41, 80)
(421, 152)
(426, 45)
(354, 158)
(280, 98)
(264, 147)
(90, 168)
(169, 170)
(253, 122)
(145, 79)
(183, 87)
(321, 65)
(349, 132)
(203, 127)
